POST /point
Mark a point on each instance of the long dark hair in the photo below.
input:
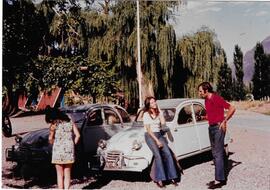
(147, 106)
(53, 114)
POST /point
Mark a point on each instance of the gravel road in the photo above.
(248, 162)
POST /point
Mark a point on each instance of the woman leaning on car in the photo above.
(165, 169)
(61, 137)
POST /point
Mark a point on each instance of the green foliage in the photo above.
(23, 29)
(200, 58)
(261, 77)
(113, 37)
(225, 84)
(70, 37)
(95, 80)
(239, 73)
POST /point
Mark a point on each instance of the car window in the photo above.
(123, 114)
(185, 115)
(77, 117)
(199, 112)
(94, 118)
(111, 117)
(139, 116)
(168, 114)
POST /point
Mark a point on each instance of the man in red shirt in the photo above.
(215, 106)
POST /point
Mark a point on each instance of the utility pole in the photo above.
(139, 72)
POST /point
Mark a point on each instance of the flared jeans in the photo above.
(164, 167)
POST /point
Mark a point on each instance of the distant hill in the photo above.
(248, 59)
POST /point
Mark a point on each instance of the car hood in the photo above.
(36, 138)
(124, 139)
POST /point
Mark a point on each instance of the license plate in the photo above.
(112, 165)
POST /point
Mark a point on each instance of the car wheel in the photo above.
(146, 174)
(25, 171)
(6, 126)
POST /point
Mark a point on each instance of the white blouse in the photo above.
(153, 122)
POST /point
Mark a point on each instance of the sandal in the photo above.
(174, 182)
(160, 184)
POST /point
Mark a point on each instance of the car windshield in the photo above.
(168, 113)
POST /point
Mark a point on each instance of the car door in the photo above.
(112, 123)
(93, 131)
(184, 132)
(202, 125)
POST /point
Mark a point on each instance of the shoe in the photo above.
(160, 184)
(210, 183)
(174, 182)
(217, 185)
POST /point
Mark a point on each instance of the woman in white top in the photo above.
(165, 169)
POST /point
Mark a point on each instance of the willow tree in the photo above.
(200, 58)
(68, 32)
(113, 37)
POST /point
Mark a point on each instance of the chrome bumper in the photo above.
(117, 161)
(26, 155)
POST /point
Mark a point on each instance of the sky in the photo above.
(235, 22)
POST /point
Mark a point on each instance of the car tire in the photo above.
(25, 171)
(146, 174)
(6, 126)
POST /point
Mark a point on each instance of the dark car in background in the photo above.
(94, 121)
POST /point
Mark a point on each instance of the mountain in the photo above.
(248, 60)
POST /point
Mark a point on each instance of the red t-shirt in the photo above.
(215, 109)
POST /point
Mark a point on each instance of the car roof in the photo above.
(174, 103)
(83, 108)
(170, 103)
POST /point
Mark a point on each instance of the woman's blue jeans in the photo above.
(216, 136)
(164, 164)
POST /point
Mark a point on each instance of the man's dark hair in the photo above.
(206, 86)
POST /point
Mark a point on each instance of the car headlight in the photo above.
(136, 145)
(18, 139)
(102, 144)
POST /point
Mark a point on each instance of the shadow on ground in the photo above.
(46, 177)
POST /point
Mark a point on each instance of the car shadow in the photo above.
(38, 177)
(43, 177)
(47, 178)
(207, 157)
(195, 160)
(105, 178)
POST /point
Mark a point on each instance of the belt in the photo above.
(214, 124)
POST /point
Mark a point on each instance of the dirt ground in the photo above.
(248, 167)
(255, 106)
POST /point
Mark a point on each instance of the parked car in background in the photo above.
(188, 132)
(94, 121)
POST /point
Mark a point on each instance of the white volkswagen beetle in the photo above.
(128, 151)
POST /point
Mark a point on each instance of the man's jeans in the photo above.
(164, 164)
(216, 136)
